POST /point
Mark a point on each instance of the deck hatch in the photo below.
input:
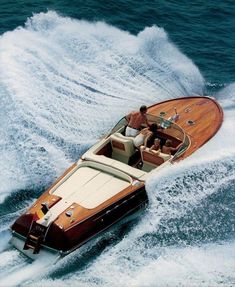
(190, 122)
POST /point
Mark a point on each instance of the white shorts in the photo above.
(131, 132)
(139, 140)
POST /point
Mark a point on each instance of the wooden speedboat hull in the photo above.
(66, 233)
(108, 183)
(73, 237)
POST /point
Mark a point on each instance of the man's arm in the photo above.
(128, 117)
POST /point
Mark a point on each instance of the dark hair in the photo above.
(168, 143)
(153, 127)
(143, 109)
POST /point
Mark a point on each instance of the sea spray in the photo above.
(64, 83)
(25, 271)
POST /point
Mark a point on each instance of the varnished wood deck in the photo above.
(205, 112)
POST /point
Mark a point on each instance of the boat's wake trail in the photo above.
(65, 82)
(17, 270)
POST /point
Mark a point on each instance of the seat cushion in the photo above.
(121, 144)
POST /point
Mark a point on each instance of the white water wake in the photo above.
(64, 83)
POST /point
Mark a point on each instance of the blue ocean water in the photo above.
(68, 71)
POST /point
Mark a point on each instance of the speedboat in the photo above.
(107, 184)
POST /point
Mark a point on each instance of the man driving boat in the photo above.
(135, 121)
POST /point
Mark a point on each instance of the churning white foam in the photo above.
(18, 271)
(64, 83)
(168, 246)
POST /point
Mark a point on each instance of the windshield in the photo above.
(120, 126)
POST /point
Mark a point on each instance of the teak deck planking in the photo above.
(206, 114)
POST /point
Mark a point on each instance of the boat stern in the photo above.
(46, 253)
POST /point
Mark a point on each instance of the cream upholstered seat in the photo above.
(152, 159)
(122, 147)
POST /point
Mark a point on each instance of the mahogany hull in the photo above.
(66, 241)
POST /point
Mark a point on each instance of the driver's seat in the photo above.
(122, 147)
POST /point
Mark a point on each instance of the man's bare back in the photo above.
(136, 120)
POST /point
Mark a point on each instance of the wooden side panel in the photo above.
(105, 150)
(172, 133)
(152, 158)
(118, 145)
(165, 135)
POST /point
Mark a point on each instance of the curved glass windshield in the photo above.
(119, 127)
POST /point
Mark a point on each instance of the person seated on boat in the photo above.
(155, 135)
(168, 149)
(156, 146)
(135, 122)
(144, 135)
